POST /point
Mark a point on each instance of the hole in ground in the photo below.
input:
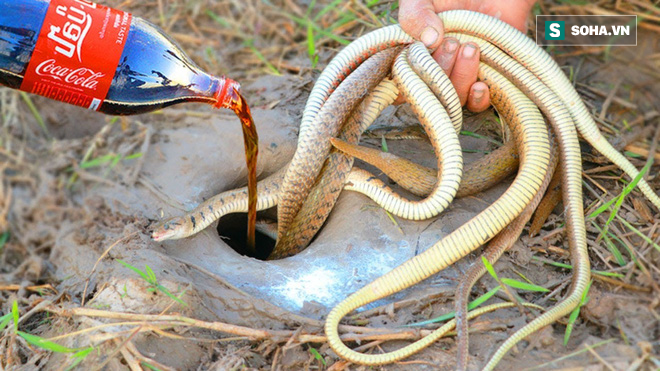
(232, 229)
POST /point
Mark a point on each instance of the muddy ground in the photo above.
(69, 225)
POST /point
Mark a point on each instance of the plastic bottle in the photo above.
(99, 58)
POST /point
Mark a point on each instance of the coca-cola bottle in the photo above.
(99, 58)
(106, 60)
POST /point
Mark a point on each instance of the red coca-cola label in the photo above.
(77, 52)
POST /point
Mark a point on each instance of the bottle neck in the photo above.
(226, 92)
(220, 92)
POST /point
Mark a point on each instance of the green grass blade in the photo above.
(483, 298)
(3, 239)
(479, 136)
(150, 273)
(619, 199)
(112, 159)
(99, 161)
(45, 344)
(523, 285)
(575, 313)
(571, 322)
(631, 253)
(469, 150)
(489, 268)
(614, 250)
(310, 7)
(317, 355)
(446, 317)
(114, 162)
(304, 22)
(326, 9)
(344, 19)
(383, 144)
(249, 43)
(523, 277)
(15, 314)
(442, 318)
(616, 253)
(134, 156)
(219, 20)
(136, 270)
(639, 233)
(311, 46)
(617, 207)
(568, 266)
(4, 321)
(150, 366)
(83, 353)
(602, 208)
(167, 292)
(396, 224)
(79, 357)
(35, 113)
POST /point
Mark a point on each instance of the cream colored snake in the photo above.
(533, 71)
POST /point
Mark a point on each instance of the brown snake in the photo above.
(324, 192)
(438, 125)
(480, 175)
(531, 69)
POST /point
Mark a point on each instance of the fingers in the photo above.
(479, 97)
(464, 73)
(461, 65)
(419, 20)
(446, 54)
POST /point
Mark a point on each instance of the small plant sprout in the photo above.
(150, 277)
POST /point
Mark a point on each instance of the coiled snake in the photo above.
(507, 55)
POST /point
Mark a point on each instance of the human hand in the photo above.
(418, 18)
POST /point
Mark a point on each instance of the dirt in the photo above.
(73, 233)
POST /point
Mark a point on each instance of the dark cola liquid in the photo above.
(20, 22)
(251, 139)
(153, 71)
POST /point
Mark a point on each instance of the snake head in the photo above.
(170, 229)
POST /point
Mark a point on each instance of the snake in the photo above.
(327, 187)
(496, 247)
(325, 191)
(564, 109)
(309, 156)
(548, 203)
(479, 175)
(537, 138)
(268, 190)
(438, 108)
(534, 159)
(533, 70)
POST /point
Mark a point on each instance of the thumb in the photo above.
(418, 19)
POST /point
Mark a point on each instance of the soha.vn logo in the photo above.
(70, 36)
(555, 30)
